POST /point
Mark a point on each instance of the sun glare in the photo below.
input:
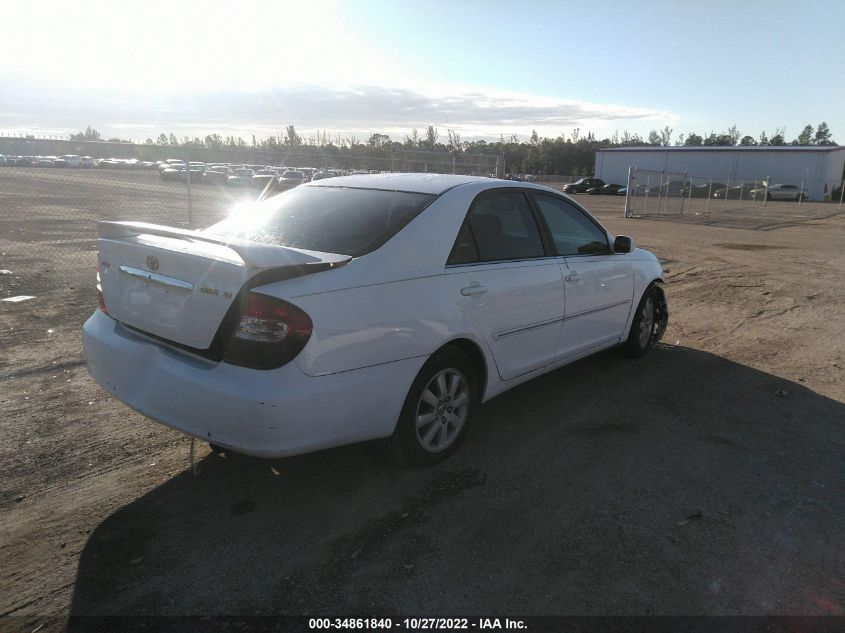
(187, 46)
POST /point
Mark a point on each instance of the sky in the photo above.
(483, 68)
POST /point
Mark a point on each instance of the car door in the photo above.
(598, 284)
(781, 192)
(506, 284)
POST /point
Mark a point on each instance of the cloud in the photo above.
(346, 110)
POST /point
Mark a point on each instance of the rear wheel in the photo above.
(438, 409)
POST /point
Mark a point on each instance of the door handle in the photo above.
(573, 277)
(474, 288)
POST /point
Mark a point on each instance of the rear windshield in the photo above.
(328, 219)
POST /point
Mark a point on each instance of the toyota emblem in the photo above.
(152, 262)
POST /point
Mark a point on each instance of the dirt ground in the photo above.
(706, 478)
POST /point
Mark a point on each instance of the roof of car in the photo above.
(418, 183)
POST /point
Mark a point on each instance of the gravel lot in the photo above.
(706, 478)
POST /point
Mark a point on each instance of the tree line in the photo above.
(571, 155)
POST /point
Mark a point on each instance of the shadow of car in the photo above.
(687, 479)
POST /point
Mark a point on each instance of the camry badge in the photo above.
(152, 262)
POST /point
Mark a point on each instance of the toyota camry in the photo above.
(362, 307)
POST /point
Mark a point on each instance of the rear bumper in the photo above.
(271, 413)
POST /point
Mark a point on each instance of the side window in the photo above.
(504, 227)
(573, 233)
(464, 251)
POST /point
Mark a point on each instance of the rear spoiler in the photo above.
(253, 254)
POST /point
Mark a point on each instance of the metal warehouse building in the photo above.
(820, 169)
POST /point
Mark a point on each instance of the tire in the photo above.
(446, 377)
(649, 323)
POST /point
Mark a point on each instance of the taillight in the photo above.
(101, 301)
(269, 333)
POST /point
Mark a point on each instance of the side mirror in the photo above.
(623, 244)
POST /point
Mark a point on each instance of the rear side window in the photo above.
(503, 228)
(573, 233)
(464, 251)
(328, 219)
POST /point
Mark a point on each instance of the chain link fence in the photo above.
(556, 181)
(757, 203)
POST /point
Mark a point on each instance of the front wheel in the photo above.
(437, 410)
(649, 323)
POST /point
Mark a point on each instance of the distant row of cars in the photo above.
(239, 175)
(75, 161)
(594, 187)
(67, 160)
(679, 188)
(173, 169)
(745, 191)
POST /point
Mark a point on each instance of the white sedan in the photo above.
(787, 192)
(362, 307)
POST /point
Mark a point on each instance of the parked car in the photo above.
(260, 181)
(622, 191)
(241, 178)
(3, 160)
(196, 172)
(667, 187)
(736, 192)
(109, 163)
(782, 192)
(318, 329)
(607, 190)
(329, 173)
(291, 179)
(308, 172)
(171, 173)
(88, 162)
(170, 163)
(704, 191)
(218, 174)
(45, 161)
(581, 186)
(69, 160)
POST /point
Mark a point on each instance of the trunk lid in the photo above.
(179, 284)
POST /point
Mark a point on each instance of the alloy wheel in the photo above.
(646, 322)
(442, 410)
